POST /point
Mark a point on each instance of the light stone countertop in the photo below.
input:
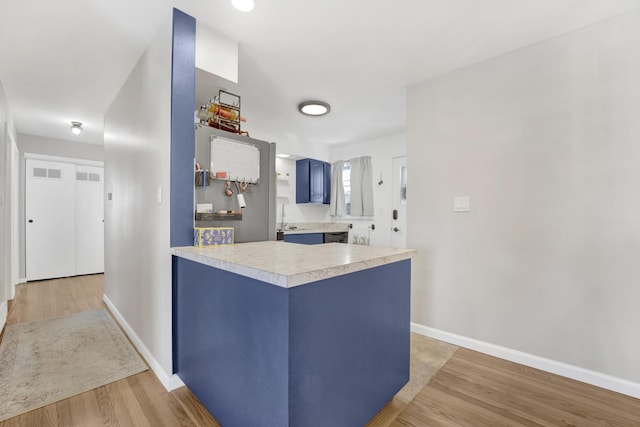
(291, 264)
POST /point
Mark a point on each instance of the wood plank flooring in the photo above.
(139, 400)
(471, 389)
(474, 389)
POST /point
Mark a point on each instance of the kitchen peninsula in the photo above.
(281, 334)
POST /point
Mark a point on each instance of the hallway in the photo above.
(139, 400)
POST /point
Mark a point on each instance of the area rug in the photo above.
(427, 357)
(46, 361)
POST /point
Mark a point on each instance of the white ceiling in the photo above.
(65, 60)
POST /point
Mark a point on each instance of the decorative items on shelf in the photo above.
(223, 112)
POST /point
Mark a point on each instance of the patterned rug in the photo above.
(46, 361)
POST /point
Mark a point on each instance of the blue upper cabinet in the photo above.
(313, 181)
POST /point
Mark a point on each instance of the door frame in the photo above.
(14, 192)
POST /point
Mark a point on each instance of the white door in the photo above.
(50, 219)
(399, 203)
(89, 227)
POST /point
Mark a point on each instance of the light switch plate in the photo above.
(159, 194)
(461, 204)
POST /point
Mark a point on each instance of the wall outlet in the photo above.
(461, 204)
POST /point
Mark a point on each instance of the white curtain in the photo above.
(337, 202)
(361, 187)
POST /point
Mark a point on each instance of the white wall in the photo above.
(51, 147)
(382, 151)
(136, 155)
(546, 142)
(286, 194)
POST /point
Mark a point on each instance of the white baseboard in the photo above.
(3, 314)
(22, 280)
(597, 379)
(170, 382)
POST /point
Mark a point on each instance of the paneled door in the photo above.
(50, 216)
(399, 203)
(89, 224)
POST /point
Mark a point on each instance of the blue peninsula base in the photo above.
(326, 353)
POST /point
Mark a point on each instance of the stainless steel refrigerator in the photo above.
(258, 218)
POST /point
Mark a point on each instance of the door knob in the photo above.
(396, 229)
(30, 221)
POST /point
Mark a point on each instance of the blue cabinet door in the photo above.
(316, 181)
(326, 196)
(313, 181)
(302, 181)
(305, 238)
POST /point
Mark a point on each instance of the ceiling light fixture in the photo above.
(243, 5)
(76, 128)
(314, 108)
(283, 155)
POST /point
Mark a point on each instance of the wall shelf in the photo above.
(216, 216)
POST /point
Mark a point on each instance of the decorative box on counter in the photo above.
(212, 236)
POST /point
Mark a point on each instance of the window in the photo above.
(346, 184)
(403, 185)
(352, 188)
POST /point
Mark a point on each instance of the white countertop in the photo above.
(291, 264)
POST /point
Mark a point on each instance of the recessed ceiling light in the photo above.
(314, 108)
(283, 155)
(76, 128)
(243, 5)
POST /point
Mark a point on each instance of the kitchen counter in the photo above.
(289, 264)
(277, 334)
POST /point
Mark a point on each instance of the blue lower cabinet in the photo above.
(305, 238)
(327, 353)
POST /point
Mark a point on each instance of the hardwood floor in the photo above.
(139, 400)
(474, 389)
(471, 389)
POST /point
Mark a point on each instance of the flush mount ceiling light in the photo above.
(76, 128)
(243, 5)
(283, 155)
(314, 108)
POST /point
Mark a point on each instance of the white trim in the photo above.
(75, 161)
(170, 382)
(3, 314)
(597, 379)
(22, 280)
